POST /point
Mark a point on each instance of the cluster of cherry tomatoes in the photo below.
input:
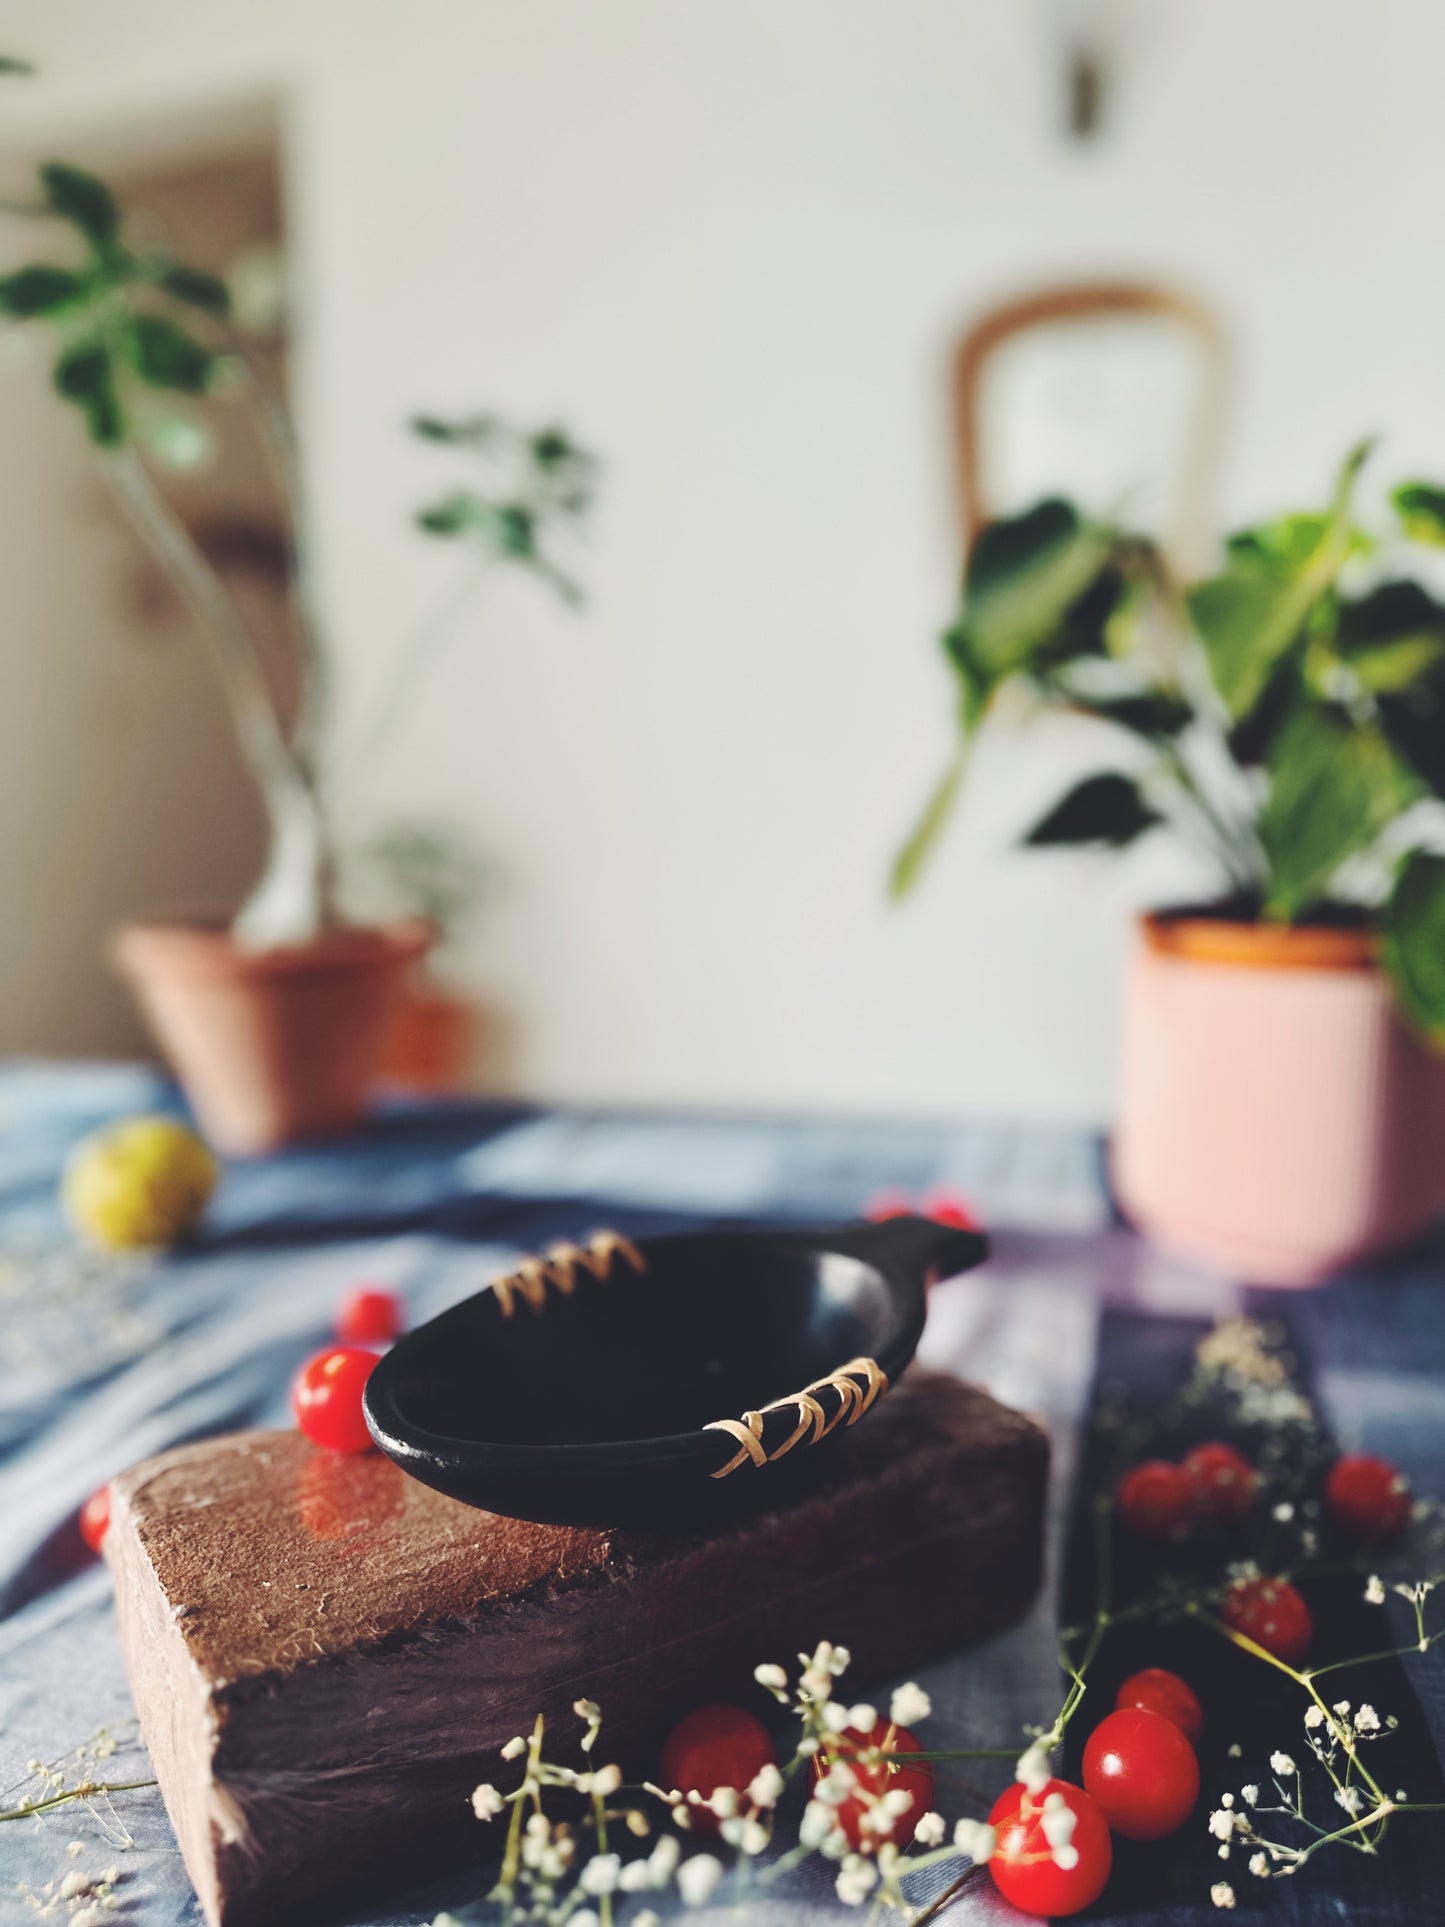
(1141, 1781)
(1164, 1500)
(943, 1206)
(725, 1746)
(326, 1392)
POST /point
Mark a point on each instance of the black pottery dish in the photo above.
(664, 1382)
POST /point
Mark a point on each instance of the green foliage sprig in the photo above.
(1287, 714)
(122, 317)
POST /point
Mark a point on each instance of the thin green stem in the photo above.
(85, 1791)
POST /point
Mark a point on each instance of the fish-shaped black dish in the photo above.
(660, 1382)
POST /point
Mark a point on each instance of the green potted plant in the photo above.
(276, 1024)
(1283, 1092)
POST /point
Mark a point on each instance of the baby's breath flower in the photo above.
(909, 1704)
(514, 1749)
(606, 1780)
(723, 1801)
(930, 1830)
(836, 1785)
(976, 1839)
(1221, 1824)
(1349, 1798)
(697, 1879)
(1251, 1794)
(1033, 1768)
(1258, 1864)
(1222, 1894)
(647, 1918)
(1282, 1764)
(635, 1877)
(75, 1884)
(754, 1837)
(816, 1824)
(487, 1803)
(1059, 1820)
(662, 1861)
(601, 1874)
(584, 1917)
(1236, 1751)
(773, 1678)
(1342, 1707)
(1375, 1590)
(1284, 1512)
(835, 1716)
(1367, 1720)
(766, 1785)
(637, 1822)
(856, 1879)
(1226, 1799)
(862, 1717)
(1314, 1716)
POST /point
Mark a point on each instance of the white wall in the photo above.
(730, 242)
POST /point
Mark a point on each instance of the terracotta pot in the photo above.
(1277, 1118)
(271, 1045)
(430, 1043)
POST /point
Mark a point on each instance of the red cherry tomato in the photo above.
(1141, 1773)
(1156, 1500)
(1272, 1614)
(326, 1397)
(1224, 1481)
(1024, 1866)
(369, 1316)
(880, 1776)
(1158, 1691)
(1368, 1496)
(95, 1518)
(888, 1204)
(947, 1207)
(715, 1746)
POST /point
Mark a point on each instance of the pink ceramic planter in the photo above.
(271, 1045)
(1277, 1117)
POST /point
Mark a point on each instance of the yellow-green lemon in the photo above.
(138, 1184)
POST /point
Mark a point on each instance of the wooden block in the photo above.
(326, 1656)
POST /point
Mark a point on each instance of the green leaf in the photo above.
(1156, 715)
(1105, 809)
(1412, 927)
(974, 686)
(1391, 637)
(474, 431)
(39, 290)
(1421, 509)
(85, 376)
(195, 287)
(1024, 575)
(1334, 786)
(10, 65)
(1251, 616)
(453, 514)
(167, 357)
(908, 864)
(81, 198)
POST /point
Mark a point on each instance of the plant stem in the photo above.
(85, 1791)
(295, 898)
(410, 668)
(279, 437)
